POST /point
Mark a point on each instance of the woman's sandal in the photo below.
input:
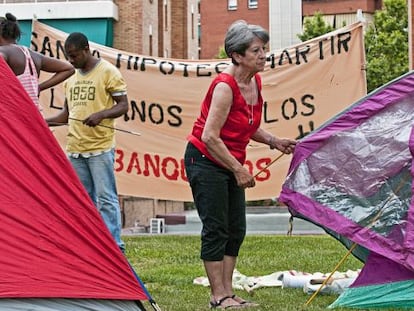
(244, 302)
(219, 303)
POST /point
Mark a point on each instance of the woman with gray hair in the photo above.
(216, 151)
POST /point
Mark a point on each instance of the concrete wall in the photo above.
(285, 18)
(141, 210)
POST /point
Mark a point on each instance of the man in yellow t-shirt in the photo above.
(95, 95)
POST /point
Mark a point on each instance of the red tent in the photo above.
(55, 250)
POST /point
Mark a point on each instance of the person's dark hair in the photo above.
(9, 27)
(78, 40)
(240, 35)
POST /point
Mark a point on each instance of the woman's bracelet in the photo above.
(271, 140)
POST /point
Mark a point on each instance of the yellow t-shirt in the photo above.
(87, 93)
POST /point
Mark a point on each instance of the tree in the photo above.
(314, 27)
(386, 44)
(222, 53)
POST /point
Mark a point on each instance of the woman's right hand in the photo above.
(244, 179)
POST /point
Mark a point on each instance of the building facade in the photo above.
(282, 18)
(164, 28)
(338, 13)
(285, 23)
(332, 7)
(185, 29)
(94, 18)
(217, 15)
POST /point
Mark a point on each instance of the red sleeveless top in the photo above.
(236, 131)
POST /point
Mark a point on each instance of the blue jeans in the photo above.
(97, 176)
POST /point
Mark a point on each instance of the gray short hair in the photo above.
(240, 35)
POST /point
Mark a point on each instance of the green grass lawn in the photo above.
(168, 264)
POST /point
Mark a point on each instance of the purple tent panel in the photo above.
(389, 270)
(353, 175)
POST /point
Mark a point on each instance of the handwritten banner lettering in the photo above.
(303, 86)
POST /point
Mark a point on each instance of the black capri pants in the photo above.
(220, 203)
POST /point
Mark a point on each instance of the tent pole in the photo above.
(397, 190)
(154, 305)
(270, 163)
(110, 127)
(330, 275)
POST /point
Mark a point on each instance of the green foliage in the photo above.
(386, 44)
(314, 27)
(222, 53)
(168, 264)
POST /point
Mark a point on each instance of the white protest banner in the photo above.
(303, 86)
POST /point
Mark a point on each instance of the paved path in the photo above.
(259, 221)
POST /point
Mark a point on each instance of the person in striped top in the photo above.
(27, 64)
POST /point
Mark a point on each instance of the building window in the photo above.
(150, 40)
(252, 4)
(232, 5)
(192, 22)
(166, 15)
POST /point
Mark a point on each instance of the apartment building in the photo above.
(187, 29)
(217, 15)
(162, 28)
(282, 18)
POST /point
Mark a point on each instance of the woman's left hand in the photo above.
(284, 145)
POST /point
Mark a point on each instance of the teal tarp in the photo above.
(395, 295)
